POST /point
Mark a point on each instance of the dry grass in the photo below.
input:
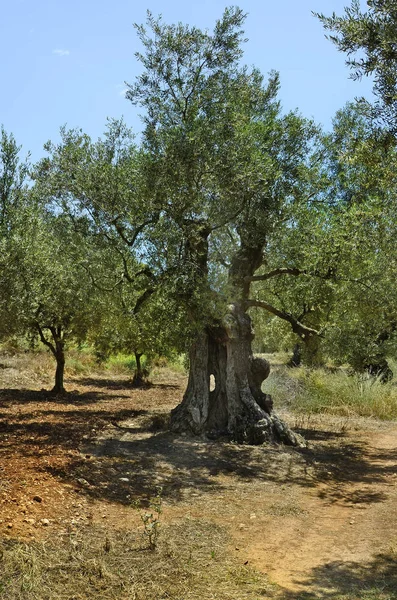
(190, 562)
(315, 391)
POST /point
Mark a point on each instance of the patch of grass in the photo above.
(313, 391)
(80, 362)
(179, 364)
(121, 363)
(190, 562)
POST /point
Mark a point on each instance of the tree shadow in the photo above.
(52, 429)
(130, 462)
(319, 435)
(131, 454)
(344, 465)
(123, 468)
(106, 383)
(20, 396)
(376, 580)
(111, 384)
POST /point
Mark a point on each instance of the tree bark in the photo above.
(236, 407)
(311, 351)
(59, 372)
(296, 358)
(139, 379)
(57, 348)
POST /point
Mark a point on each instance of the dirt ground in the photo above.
(317, 521)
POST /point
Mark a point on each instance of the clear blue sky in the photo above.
(65, 61)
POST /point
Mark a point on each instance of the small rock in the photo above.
(242, 526)
(45, 522)
(83, 482)
(124, 479)
(252, 516)
(37, 498)
(10, 525)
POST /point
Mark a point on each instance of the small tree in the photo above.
(47, 292)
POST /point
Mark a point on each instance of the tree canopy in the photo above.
(369, 38)
(224, 206)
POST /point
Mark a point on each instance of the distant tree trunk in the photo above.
(307, 352)
(57, 347)
(139, 379)
(379, 367)
(311, 351)
(296, 358)
(236, 407)
(60, 370)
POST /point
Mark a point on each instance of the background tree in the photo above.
(147, 333)
(339, 252)
(369, 38)
(48, 292)
(14, 212)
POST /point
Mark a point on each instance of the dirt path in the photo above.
(347, 521)
(317, 521)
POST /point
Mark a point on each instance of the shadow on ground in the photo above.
(15, 396)
(374, 580)
(131, 461)
(343, 464)
(112, 384)
(132, 452)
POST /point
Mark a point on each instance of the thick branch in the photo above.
(297, 327)
(44, 340)
(330, 274)
(275, 272)
(142, 299)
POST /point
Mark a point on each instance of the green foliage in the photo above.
(45, 293)
(136, 247)
(369, 38)
(217, 170)
(13, 181)
(340, 284)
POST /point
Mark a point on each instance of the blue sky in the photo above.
(65, 61)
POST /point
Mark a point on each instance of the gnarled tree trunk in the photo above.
(236, 407)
